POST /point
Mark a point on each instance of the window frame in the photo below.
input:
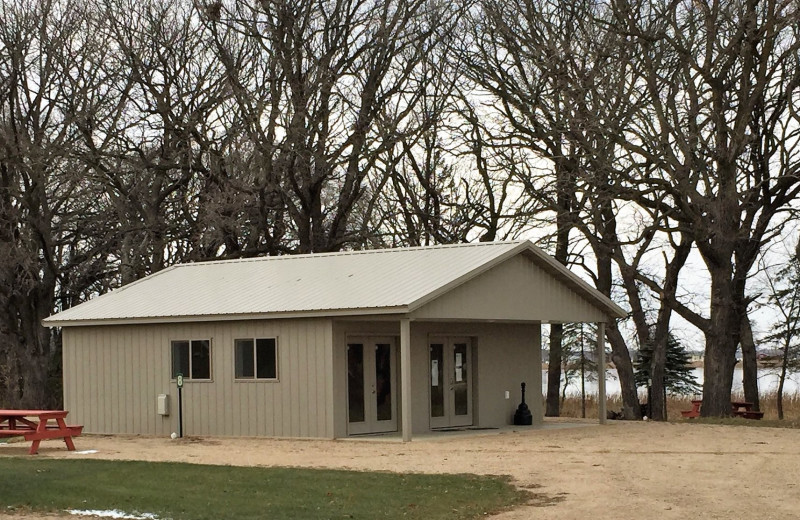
(188, 377)
(255, 378)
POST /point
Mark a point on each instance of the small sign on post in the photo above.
(179, 379)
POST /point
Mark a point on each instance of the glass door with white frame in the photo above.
(371, 385)
(450, 381)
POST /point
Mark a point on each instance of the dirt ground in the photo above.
(621, 470)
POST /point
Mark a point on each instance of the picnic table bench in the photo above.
(36, 426)
(695, 411)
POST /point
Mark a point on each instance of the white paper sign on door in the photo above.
(434, 372)
(459, 367)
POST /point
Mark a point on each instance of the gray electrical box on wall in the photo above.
(163, 404)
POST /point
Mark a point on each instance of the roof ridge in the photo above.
(350, 253)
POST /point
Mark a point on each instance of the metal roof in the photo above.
(348, 283)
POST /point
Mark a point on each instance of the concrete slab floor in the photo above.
(550, 423)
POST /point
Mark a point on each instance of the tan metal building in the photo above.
(323, 345)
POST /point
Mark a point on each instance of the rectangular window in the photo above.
(191, 358)
(256, 358)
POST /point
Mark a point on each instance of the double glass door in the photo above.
(371, 385)
(450, 381)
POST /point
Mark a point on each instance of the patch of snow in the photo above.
(112, 513)
(85, 452)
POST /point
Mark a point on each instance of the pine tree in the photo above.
(678, 377)
(578, 355)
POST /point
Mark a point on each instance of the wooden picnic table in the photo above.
(738, 408)
(745, 409)
(36, 426)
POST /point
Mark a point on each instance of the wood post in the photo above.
(405, 376)
(601, 372)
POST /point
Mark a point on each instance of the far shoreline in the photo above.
(762, 364)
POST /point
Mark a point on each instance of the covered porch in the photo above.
(407, 377)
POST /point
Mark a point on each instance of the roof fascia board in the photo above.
(49, 322)
(494, 320)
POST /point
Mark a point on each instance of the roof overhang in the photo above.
(535, 254)
(324, 313)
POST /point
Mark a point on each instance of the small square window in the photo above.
(256, 358)
(191, 358)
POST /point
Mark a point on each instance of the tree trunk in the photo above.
(657, 397)
(660, 336)
(627, 382)
(721, 342)
(565, 186)
(620, 355)
(554, 371)
(28, 353)
(749, 364)
(782, 378)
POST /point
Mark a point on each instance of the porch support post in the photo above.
(601, 372)
(405, 376)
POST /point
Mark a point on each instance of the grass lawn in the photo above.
(193, 491)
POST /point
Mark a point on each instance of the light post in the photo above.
(179, 379)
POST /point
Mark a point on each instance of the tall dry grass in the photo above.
(571, 407)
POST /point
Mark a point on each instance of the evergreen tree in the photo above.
(578, 355)
(678, 377)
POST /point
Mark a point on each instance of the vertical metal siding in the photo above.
(517, 289)
(113, 374)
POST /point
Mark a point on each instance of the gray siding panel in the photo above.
(113, 375)
(517, 289)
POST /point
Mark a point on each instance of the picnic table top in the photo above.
(26, 413)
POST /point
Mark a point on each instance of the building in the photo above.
(322, 345)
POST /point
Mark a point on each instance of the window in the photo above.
(256, 358)
(191, 358)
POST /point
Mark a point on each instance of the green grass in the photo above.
(193, 491)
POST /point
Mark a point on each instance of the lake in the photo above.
(767, 382)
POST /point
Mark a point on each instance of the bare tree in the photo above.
(44, 199)
(323, 89)
(561, 85)
(718, 143)
(783, 294)
(158, 148)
